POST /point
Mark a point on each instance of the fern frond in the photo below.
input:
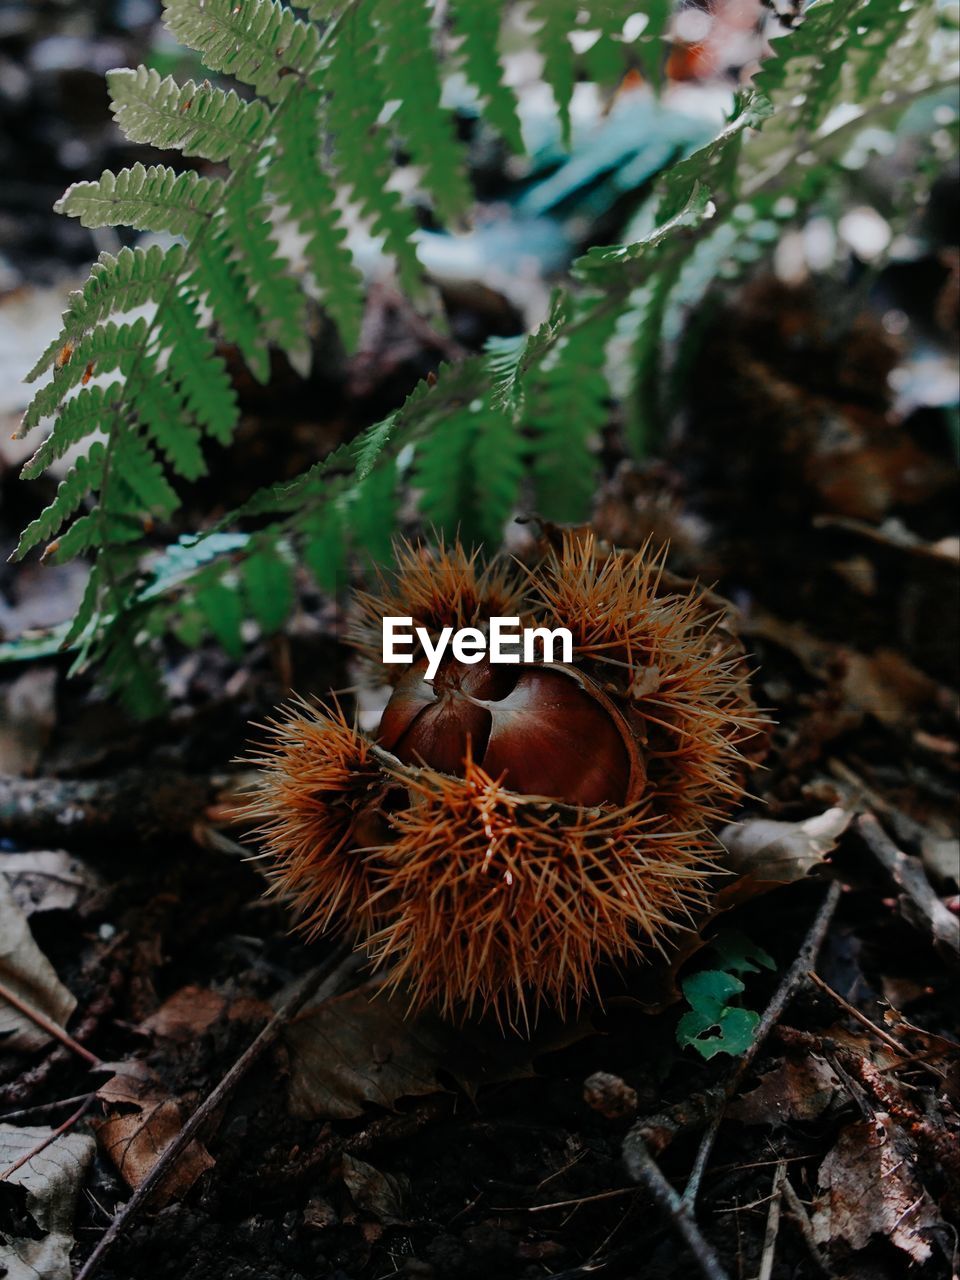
(198, 120)
(362, 151)
(269, 286)
(557, 18)
(259, 42)
(478, 25)
(409, 75)
(115, 284)
(268, 585)
(154, 199)
(138, 470)
(168, 424)
(297, 178)
(566, 407)
(101, 351)
(196, 369)
(84, 477)
(218, 282)
(88, 411)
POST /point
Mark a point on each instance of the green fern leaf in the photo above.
(168, 424)
(324, 545)
(409, 74)
(199, 373)
(269, 586)
(218, 281)
(299, 182)
(84, 477)
(557, 18)
(89, 411)
(361, 142)
(479, 27)
(443, 474)
(259, 42)
(222, 609)
(498, 466)
(195, 119)
(271, 288)
(120, 283)
(139, 471)
(154, 199)
(566, 407)
(101, 351)
(371, 513)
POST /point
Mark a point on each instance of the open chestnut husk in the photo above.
(511, 828)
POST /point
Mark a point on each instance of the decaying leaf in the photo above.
(870, 1187)
(362, 1048)
(378, 1194)
(794, 1090)
(763, 853)
(27, 717)
(40, 1201)
(193, 1010)
(50, 880)
(30, 975)
(141, 1120)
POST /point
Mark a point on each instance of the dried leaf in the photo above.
(378, 1194)
(142, 1120)
(27, 716)
(30, 975)
(193, 1010)
(871, 1188)
(44, 1192)
(763, 853)
(50, 880)
(791, 1091)
(362, 1048)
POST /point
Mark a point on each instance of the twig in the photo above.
(322, 980)
(772, 1230)
(643, 1168)
(908, 874)
(855, 1013)
(52, 1136)
(48, 1025)
(42, 1106)
(781, 998)
(798, 1212)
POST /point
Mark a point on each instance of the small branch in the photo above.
(909, 876)
(787, 989)
(51, 1137)
(797, 1211)
(862, 1018)
(322, 981)
(48, 1025)
(772, 1230)
(643, 1168)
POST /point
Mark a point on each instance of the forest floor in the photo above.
(232, 1104)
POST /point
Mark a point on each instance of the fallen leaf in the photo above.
(361, 1048)
(193, 1010)
(50, 880)
(800, 1090)
(378, 1194)
(763, 853)
(27, 717)
(44, 1195)
(871, 1188)
(708, 993)
(141, 1120)
(30, 975)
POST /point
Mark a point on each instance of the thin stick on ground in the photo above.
(772, 1230)
(855, 1013)
(787, 989)
(322, 982)
(909, 876)
(51, 1137)
(643, 1168)
(48, 1025)
(797, 1211)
